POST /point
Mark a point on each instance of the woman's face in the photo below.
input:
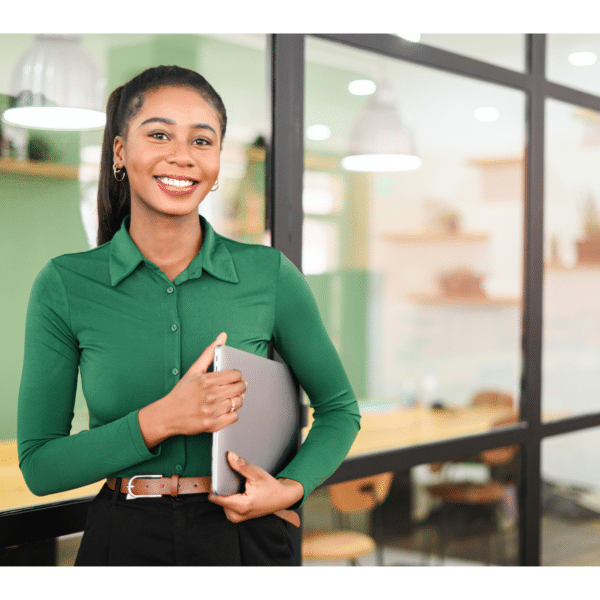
(171, 152)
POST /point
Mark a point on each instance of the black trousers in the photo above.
(188, 531)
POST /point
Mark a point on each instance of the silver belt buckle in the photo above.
(132, 496)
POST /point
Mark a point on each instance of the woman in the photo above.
(139, 316)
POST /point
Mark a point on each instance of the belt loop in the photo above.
(115, 494)
(174, 485)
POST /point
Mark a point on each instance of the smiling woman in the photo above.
(139, 318)
(152, 123)
(171, 155)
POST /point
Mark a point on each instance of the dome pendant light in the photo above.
(380, 140)
(56, 85)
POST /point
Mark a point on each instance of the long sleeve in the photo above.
(51, 460)
(303, 343)
(117, 321)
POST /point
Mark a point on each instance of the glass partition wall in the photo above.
(571, 356)
(556, 347)
(418, 272)
(431, 281)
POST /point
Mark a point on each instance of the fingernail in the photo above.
(234, 455)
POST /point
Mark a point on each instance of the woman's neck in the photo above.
(171, 243)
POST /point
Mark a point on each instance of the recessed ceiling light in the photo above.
(318, 132)
(362, 87)
(410, 37)
(486, 114)
(582, 59)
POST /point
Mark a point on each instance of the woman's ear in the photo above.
(119, 151)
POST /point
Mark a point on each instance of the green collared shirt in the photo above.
(115, 317)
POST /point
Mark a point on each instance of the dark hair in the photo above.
(123, 104)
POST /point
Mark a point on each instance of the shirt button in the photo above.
(170, 290)
(173, 327)
(179, 467)
(175, 371)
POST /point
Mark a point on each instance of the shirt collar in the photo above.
(214, 257)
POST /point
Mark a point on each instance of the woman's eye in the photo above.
(201, 142)
(158, 135)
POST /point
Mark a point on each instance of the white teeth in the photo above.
(176, 182)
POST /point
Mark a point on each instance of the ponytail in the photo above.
(113, 196)
(114, 199)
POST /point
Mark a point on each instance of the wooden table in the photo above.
(380, 430)
(398, 428)
(13, 490)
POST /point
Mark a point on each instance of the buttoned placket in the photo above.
(172, 330)
(173, 345)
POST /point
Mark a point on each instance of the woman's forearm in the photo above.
(157, 423)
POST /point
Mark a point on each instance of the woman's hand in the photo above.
(200, 402)
(263, 493)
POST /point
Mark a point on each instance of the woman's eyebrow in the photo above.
(171, 122)
(158, 120)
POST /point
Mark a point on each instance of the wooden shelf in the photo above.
(312, 162)
(494, 161)
(39, 169)
(577, 267)
(435, 236)
(464, 300)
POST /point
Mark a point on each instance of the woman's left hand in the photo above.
(263, 493)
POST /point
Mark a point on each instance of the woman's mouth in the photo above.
(177, 187)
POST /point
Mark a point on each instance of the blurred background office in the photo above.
(416, 259)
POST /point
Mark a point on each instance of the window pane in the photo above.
(59, 193)
(461, 514)
(572, 59)
(418, 274)
(571, 356)
(570, 500)
(502, 49)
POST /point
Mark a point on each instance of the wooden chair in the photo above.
(358, 495)
(494, 398)
(489, 494)
(489, 397)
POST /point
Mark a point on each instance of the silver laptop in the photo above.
(265, 433)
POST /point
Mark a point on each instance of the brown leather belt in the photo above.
(153, 486)
(157, 485)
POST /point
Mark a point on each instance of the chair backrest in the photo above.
(492, 398)
(500, 456)
(361, 494)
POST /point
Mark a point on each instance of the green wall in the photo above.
(39, 219)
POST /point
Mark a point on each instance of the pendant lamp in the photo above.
(380, 141)
(56, 85)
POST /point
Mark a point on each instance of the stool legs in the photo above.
(437, 535)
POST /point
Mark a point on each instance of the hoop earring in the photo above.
(215, 187)
(117, 171)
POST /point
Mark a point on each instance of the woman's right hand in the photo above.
(199, 402)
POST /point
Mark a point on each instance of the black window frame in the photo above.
(285, 168)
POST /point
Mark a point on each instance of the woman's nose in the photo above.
(180, 154)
